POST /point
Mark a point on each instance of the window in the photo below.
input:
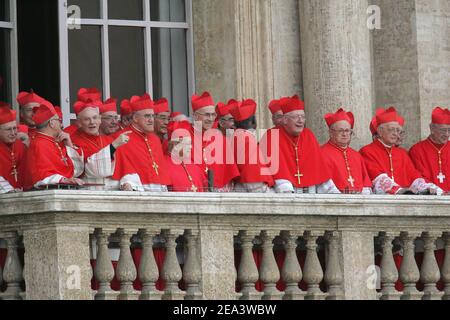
(127, 48)
(8, 51)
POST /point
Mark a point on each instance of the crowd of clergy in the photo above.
(146, 147)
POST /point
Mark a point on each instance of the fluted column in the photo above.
(409, 272)
(103, 271)
(336, 61)
(126, 270)
(389, 273)
(248, 272)
(291, 272)
(171, 271)
(429, 271)
(333, 273)
(269, 273)
(312, 272)
(192, 269)
(12, 273)
(445, 273)
(148, 269)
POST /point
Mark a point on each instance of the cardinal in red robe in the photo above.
(162, 118)
(346, 165)
(224, 120)
(140, 164)
(28, 101)
(296, 160)
(185, 175)
(390, 168)
(51, 158)
(432, 156)
(277, 113)
(254, 175)
(211, 148)
(12, 153)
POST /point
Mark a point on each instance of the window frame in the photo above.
(11, 25)
(146, 24)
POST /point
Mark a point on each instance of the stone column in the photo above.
(57, 265)
(336, 60)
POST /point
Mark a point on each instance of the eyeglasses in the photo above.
(162, 118)
(227, 119)
(297, 117)
(149, 116)
(444, 131)
(11, 130)
(395, 130)
(343, 131)
(111, 118)
(56, 119)
(208, 115)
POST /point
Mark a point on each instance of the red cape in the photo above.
(249, 162)
(376, 158)
(44, 159)
(334, 158)
(134, 158)
(311, 162)
(90, 144)
(224, 172)
(6, 167)
(425, 158)
(179, 177)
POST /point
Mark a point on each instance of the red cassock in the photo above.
(13, 163)
(249, 159)
(180, 174)
(224, 171)
(46, 158)
(311, 164)
(376, 157)
(338, 159)
(71, 129)
(425, 156)
(90, 144)
(138, 156)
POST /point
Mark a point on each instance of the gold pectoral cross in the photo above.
(155, 167)
(299, 176)
(14, 173)
(352, 181)
(194, 188)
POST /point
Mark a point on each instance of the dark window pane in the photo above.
(5, 66)
(168, 10)
(125, 10)
(90, 9)
(169, 62)
(4, 10)
(85, 60)
(127, 63)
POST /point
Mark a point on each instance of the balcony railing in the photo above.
(120, 245)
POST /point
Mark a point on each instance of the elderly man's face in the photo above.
(341, 133)
(294, 122)
(277, 118)
(8, 132)
(145, 120)
(207, 116)
(440, 133)
(161, 121)
(26, 114)
(109, 123)
(226, 122)
(390, 133)
(89, 120)
(126, 120)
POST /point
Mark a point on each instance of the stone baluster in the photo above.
(191, 270)
(333, 272)
(389, 272)
(103, 271)
(312, 271)
(148, 269)
(409, 272)
(126, 269)
(429, 271)
(269, 273)
(248, 272)
(13, 272)
(291, 272)
(171, 271)
(445, 273)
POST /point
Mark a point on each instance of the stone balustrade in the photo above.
(120, 245)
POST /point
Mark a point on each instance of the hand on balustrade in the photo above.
(126, 187)
(74, 181)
